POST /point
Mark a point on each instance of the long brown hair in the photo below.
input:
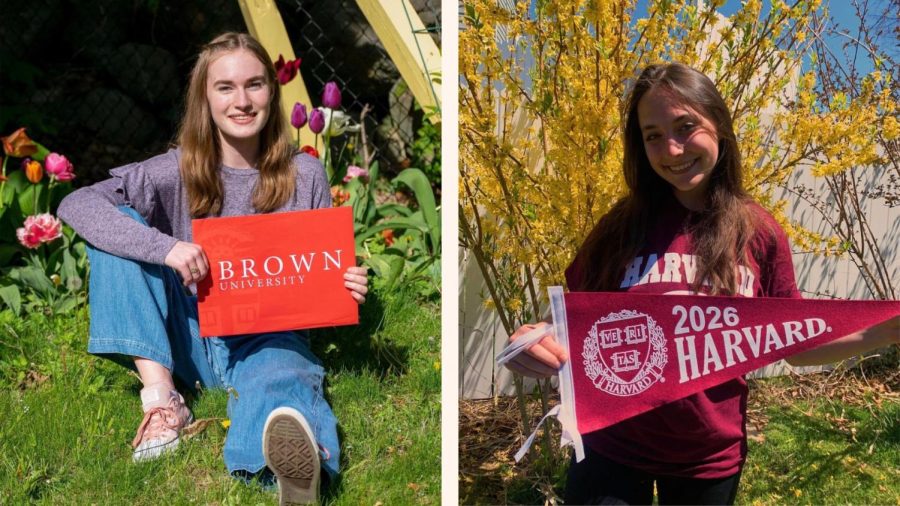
(201, 152)
(720, 236)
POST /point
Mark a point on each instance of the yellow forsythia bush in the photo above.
(541, 102)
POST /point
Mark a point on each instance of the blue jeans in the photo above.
(142, 310)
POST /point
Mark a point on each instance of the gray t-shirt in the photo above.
(155, 190)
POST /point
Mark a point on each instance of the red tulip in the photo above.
(286, 71)
(388, 236)
(60, 167)
(18, 144)
(310, 151)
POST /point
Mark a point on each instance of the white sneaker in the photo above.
(292, 454)
(165, 414)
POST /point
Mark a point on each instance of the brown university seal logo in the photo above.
(625, 353)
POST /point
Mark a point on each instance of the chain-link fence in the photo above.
(102, 81)
(337, 43)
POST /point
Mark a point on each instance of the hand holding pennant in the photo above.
(634, 352)
(276, 272)
(544, 357)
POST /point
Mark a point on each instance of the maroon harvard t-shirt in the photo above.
(704, 435)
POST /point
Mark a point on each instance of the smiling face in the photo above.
(681, 145)
(239, 96)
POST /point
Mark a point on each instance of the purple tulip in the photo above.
(331, 96)
(317, 121)
(298, 115)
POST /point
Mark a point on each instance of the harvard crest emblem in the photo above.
(625, 353)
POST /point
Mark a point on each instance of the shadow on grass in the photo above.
(362, 347)
(359, 348)
(811, 452)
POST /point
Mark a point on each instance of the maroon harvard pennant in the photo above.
(630, 353)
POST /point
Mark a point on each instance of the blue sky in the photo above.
(840, 11)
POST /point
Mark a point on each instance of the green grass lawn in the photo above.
(819, 439)
(837, 446)
(68, 418)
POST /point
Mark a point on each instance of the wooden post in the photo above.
(408, 46)
(265, 25)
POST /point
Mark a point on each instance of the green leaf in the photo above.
(387, 267)
(27, 199)
(70, 272)
(416, 180)
(12, 298)
(392, 209)
(395, 224)
(33, 278)
(16, 180)
(79, 249)
(64, 305)
(359, 199)
(7, 252)
(54, 262)
(41, 153)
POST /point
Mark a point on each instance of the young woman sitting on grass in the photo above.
(234, 157)
(686, 200)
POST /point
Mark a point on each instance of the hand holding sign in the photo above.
(189, 260)
(356, 281)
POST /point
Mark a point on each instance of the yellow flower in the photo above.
(890, 129)
(541, 148)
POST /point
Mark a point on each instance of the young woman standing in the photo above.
(686, 206)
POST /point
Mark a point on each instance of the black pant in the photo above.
(598, 480)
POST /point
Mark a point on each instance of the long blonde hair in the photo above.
(201, 152)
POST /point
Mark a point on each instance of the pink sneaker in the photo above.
(292, 454)
(164, 416)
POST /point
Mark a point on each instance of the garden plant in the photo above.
(541, 104)
(78, 410)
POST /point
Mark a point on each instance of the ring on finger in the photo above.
(195, 271)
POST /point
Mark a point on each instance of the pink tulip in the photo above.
(354, 171)
(331, 96)
(59, 166)
(317, 121)
(298, 115)
(39, 228)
